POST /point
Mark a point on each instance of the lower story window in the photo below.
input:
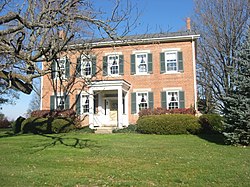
(142, 100)
(172, 100)
(85, 103)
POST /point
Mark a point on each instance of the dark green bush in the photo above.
(129, 129)
(211, 123)
(168, 124)
(16, 126)
(85, 129)
(47, 125)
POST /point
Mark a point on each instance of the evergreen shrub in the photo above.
(168, 124)
(211, 123)
(47, 125)
(16, 125)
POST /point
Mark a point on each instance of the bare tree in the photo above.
(222, 24)
(31, 32)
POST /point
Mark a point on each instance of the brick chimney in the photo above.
(62, 35)
(188, 24)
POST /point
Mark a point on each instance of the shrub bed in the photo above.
(68, 113)
(47, 125)
(211, 123)
(159, 111)
(168, 124)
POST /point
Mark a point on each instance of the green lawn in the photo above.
(77, 159)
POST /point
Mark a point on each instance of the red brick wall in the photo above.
(155, 81)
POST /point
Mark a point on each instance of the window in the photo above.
(141, 100)
(141, 63)
(85, 103)
(171, 61)
(172, 100)
(86, 66)
(59, 102)
(113, 65)
(60, 68)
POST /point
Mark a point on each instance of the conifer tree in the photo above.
(237, 112)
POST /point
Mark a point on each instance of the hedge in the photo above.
(168, 124)
(211, 123)
(47, 125)
(159, 111)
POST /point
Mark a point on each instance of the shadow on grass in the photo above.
(67, 141)
(216, 138)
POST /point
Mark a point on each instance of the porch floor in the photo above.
(104, 130)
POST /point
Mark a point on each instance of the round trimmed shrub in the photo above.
(211, 123)
(62, 125)
(168, 124)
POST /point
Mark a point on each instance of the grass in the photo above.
(78, 159)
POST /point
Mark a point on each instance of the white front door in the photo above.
(113, 111)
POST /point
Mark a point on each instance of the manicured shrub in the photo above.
(16, 125)
(168, 124)
(85, 129)
(47, 125)
(67, 113)
(159, 111)
(211, 123)
(129, 129)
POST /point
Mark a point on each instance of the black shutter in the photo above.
(121, 65)
(78, 104)
(181, 99)
(133, 103)
(93, 65)
(150, 63)
(53, 69)
(67, 70)
(162, 63)
(78, 67)
(132, 64)
(180, 62)
(105, 66)
(163, 100)
(151, 100)
(52, 102)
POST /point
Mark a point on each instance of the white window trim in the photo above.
(137, 103)
(82, 104)
(171, 71)
(171, 49)
(86, 58)
(167, 100)
(108, 65)
(137, 64)
(57, 69)
(141, 51)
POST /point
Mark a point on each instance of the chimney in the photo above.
(188, 24)
(62, 35)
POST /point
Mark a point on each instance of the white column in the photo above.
(126, 107)
(91, 108)
(120, 108)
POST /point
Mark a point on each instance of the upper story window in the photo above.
(171, 61)
(85, 66)
(113, 65)
(60, 68)
(141, 100)
(141, 63)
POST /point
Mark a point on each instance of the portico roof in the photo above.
(110, 84)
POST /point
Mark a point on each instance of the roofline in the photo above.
(141, 40)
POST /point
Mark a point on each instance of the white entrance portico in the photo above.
(109, 104)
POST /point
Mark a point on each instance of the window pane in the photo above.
(141, 63)
(171, 61)
(172, 100)
(113, 62)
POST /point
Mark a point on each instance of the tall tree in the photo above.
(31, 32)
(237, 115)
(222, 25)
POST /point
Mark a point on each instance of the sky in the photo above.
(155, 16)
